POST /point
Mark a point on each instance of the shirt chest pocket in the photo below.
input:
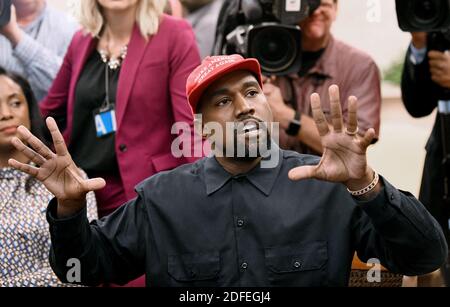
(199, 269)
(297, 265)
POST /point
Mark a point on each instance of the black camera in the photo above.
(268, 31)
(423, 15)
(5, 12)
(431, 16)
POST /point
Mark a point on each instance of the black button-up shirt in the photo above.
(199, 226)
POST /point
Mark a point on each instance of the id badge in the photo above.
(105, 121)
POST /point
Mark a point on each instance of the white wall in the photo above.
(381, 38)
(61, 4)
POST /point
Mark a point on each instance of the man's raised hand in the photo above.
(56, 171)
(344, 158)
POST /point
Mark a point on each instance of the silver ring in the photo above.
(352, 133)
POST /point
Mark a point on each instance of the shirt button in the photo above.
(392, 196)
(297, 264)
(123, 147)
(244, 265)
(240, 223)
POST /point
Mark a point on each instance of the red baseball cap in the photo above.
(212, 69)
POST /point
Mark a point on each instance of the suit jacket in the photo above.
(151, 96)
(419, 95)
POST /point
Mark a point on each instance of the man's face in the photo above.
(237, 99)
(318, 25)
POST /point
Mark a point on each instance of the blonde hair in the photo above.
(148, 13)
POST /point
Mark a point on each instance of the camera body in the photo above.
(423, 15)
(5, 12)
(269, 31)
(431, 16)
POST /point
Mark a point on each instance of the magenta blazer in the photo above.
(151, 96)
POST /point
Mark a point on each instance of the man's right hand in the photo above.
(419, 39)
(440, 68)
(57, 171)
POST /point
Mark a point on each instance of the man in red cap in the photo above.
(227, 221)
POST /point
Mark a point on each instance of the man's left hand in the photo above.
(440, 67)
(344, 159)
(11, 30)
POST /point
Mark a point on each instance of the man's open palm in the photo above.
(57, 171)
(344, 157)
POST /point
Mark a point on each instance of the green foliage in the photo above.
(394, 73)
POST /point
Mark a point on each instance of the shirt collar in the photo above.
(263, 178)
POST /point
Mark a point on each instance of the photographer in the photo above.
(34, 41)
(326, 61)
(422, 71)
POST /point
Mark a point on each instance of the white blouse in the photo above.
(24, 231)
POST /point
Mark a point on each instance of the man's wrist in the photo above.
(288, 115)
(295, 125)
(358, 184)
(68, 208)
(366, 188)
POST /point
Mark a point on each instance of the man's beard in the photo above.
(246, 145)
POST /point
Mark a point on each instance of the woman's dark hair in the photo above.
(36, 121)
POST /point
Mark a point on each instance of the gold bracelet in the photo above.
(367, 189)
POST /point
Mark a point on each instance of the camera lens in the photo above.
(425, 10)
(275, 48)
(427, 13)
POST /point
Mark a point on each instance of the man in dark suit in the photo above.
(426, 75)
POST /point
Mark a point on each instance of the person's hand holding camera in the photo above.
(11, 30)
(281, 112)
(440, 67)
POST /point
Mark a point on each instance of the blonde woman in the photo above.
(120, 90)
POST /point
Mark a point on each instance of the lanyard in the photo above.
(112, 64)
(107, 103)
